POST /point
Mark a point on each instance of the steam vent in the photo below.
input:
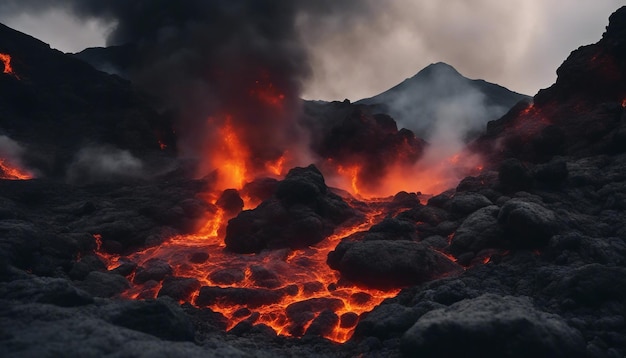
(172, 195)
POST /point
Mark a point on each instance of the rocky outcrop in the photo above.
(302, 212)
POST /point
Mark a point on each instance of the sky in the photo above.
(354, 55)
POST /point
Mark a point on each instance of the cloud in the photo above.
(515, 44)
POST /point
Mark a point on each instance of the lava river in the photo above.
(275, 283)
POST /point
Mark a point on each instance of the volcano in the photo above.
(439, 92)
(119, 242)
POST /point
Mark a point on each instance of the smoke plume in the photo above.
(104, 164)
(220, 63)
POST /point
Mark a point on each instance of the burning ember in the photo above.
(11, 172)
(8, 69)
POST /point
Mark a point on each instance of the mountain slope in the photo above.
(439, 94)
(58, 105)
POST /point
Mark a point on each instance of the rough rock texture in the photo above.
(539, 263)
(492, 326)
(301, 212)
(389, 263)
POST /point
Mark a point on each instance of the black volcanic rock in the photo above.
(61, 105)
(581, 114)
(527, 224)
(302, 212)
(348, 136)
(478, 231)
(492, 326)
(387, 264)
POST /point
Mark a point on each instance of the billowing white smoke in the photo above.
(12, 153)
(10, 149)
(104, 164)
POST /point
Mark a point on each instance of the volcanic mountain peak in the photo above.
(439, 93)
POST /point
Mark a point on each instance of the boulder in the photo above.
(301, 213)
(492, 326)
(527, 224)
(385, 264)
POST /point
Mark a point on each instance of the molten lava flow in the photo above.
(8, 171)
(299, 276)
(231, 159)
(8, 69)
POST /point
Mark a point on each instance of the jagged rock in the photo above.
(514, 175)
(160, 318)
(230, 202)
(392, 229)
(492, 326)
(551, 174)
(392, 319)
(179, 288)
(527, 224)
(153, 269)
(302, 213)
(46, 290)
(466, 203)
(428, 214)
(263, 277)
(260, 189)
(389, 263)
(227, 276)
(589, 285)
(323, 324)
(320, 310)
(87, 264)
(104, 284)
(478, 231)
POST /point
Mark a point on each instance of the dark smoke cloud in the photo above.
(213, 62)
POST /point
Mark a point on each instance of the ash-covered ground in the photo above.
(526, 258)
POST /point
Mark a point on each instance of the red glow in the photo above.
(430, 175)
(8, 69)
(267, 93)
(304, 268)
(231, 158)
(11, 172)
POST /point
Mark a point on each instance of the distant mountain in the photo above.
(112, 59)
(439, 95)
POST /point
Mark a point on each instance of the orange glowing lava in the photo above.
(231, 160)
(11, 172)
(300, 275)
(8, 69)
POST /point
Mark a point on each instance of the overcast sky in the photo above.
(517, 44)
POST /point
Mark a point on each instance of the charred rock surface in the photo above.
(580, 115)
(73, 109)
(384, 264)
(302, 212)
(539, 244)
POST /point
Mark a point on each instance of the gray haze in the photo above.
(358, 54)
